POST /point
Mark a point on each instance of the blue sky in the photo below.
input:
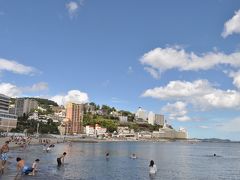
(178, 58)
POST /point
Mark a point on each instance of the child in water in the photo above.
(152, 168)
(60, 159)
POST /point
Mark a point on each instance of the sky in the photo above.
(177, 58)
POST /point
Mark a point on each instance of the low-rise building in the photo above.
(100, 130)
(90, 130)
(169, 133)
(123, 119)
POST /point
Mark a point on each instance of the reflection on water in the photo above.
(175, 160)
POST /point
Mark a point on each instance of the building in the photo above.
(74, 114)
(159, 119)
(90, 130)
(141, 115)
(7, 121)
(169, 133)
(23, 106)
(124, 131)
(151, 118)
(155, 119)
(123, 119)
(100, 130)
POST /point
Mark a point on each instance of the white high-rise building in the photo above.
(141, 114)
(155, 119)
(151, 118)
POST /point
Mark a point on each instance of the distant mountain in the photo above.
(215, 140)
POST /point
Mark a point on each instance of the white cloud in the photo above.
(236, 78)
(72, 8)
(41, 86)
(203, 127)
(162, 59)
(232, 25)
(177, 111)
(74, 96)
(153, 72)
(10, 90)
(199, 93)
(15, 67)
(230, 126)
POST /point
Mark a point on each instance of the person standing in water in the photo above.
(4, 154)
(34, 167)
(60, 159)
(20, 166)
(152, 168)
(107, 156)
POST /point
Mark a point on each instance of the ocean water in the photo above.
(174, 160)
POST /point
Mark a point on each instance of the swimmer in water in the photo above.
(48, 149)
(214, 155)
(107, 156)
(152, 168)
(60, 159)
(133, 156)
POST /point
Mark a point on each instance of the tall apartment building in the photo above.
(74, 114)
(155, 119)
(7, 121)
(141, 114)
(24, 106)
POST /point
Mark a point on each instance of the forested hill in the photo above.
(42, 102)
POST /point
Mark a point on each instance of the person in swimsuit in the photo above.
(60, 159)
(34, 167)
(20, 166)
(152, 168)
(4, 154)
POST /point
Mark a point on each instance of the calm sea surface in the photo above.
(175, 160)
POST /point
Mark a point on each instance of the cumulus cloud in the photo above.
(73, 7)
(74, 96)
(12, 90)
(161, 59)
(232, 25)
(236, 78)
(177, 111)
(15, 67)
(199, 93)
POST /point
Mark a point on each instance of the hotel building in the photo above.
(7, 121)
(74, 116)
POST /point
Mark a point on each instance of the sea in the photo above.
(174, 160)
